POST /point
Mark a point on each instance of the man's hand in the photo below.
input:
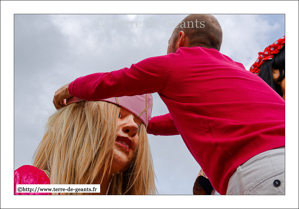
(60, 96)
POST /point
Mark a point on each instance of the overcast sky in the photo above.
(52, 50)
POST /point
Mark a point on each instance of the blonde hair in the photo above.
(77, 146)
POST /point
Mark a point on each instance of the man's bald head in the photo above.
(201, 30)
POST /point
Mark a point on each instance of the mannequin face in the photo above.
(276, 74)
(127, 140)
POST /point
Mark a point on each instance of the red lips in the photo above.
(124, 142)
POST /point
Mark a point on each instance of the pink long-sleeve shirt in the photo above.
(225, 114)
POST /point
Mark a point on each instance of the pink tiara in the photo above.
(140, 105)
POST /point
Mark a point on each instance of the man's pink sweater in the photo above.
(225, 114)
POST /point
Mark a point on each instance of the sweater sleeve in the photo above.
(162, 125)
(147, 76)
(28, 174)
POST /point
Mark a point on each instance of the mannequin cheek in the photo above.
(275, 74)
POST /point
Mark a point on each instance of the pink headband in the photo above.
(140, 105)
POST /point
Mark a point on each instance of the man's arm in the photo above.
(147, 76)
(162, 125)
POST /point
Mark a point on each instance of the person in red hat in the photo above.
(270, 66)
(235, 132)
(95, 142)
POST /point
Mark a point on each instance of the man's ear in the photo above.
(182, 40)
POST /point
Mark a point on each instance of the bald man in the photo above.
(232, 122)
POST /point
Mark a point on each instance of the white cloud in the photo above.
(246, 35)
